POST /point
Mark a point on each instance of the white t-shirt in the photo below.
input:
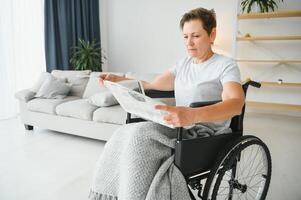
(204, 82)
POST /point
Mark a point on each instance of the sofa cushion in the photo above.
(78, 80)
(105, 98)
(114, 115)
(142, 76)
(79, 109)
(93, 86)
(78, 85)
(47, 105)
(69, 74)
(54, 88)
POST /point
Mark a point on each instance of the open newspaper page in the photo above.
(135, 103)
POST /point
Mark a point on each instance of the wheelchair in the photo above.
(227, 166)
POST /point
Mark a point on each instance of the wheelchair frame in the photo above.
(214, 151)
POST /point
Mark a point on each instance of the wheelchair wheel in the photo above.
(242, 171)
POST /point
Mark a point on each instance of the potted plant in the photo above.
(262, 5)
(87, 56)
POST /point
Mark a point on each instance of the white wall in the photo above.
(144, 36)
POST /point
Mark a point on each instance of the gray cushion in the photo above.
(142, 76)
(53, 88)
(93, 86)
(77, 78)
(105, 98)
(79, 109)
(114, 115)
(25, 95)
(47, 105)
(78, 85)
(69, 74)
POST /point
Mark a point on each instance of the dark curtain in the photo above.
(65, 22)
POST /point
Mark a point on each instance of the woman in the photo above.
(138, 156)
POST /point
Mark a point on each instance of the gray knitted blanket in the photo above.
(137, 164)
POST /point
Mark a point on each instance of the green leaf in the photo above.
(264, 5)
(87, 55)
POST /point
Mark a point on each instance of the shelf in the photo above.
(252, 38)
(275, 38)
(276, 84)
(279, 106)
(269, 61)
(279, 84)
(278, 14)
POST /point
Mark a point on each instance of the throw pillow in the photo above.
(69, 74)
(142, 76)
(78, 85)
(93, 86)
(105, 98)
(53, 88)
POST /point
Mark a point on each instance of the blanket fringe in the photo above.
(99, 196)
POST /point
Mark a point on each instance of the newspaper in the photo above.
(136, 103)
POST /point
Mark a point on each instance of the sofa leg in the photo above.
(28, 127)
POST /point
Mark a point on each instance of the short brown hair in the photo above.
(208, 18)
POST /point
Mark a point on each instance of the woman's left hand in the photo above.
(177, 116)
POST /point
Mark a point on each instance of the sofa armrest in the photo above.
(25, 95)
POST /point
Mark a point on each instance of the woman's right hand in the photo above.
(109, 77)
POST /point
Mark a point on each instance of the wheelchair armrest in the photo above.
(159, 94)
(255, 84)
(194, 105)
(244, 86)
(203, 103)
(248, 82)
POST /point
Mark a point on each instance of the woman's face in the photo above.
(197, 40)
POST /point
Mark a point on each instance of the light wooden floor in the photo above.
(46, 165)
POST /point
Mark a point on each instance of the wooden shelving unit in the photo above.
(278, 106)
(269, 61)
(279, 84)
(250, 38)
(254, 38)
(279, 14)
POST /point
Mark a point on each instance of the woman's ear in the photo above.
(212, 35)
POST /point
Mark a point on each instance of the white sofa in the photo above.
(74, 114)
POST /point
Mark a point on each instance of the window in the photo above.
(22, 56)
